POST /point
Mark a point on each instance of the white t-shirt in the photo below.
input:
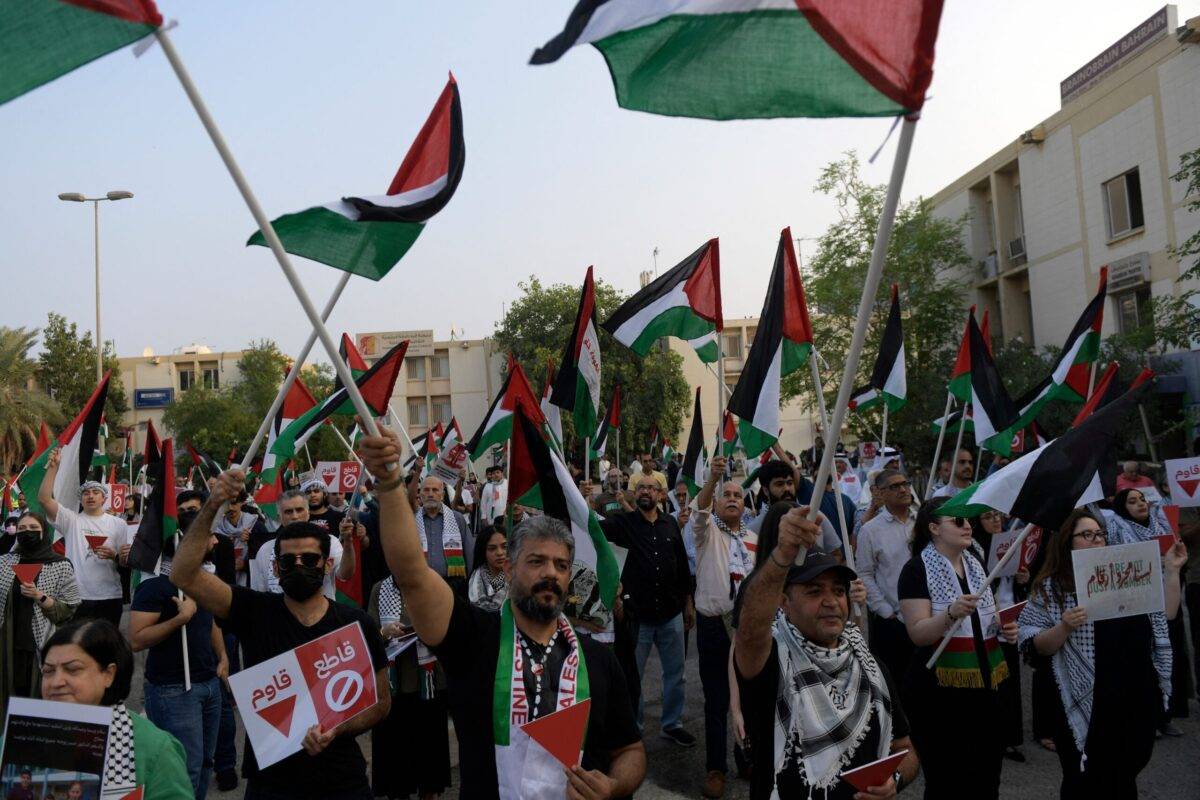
(262, 569)
(493, 500)
(97, 577)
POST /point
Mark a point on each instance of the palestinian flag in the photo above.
(421, 454)
(1108, 388)
(993, 412)
(78, 445)
(960, 376)
(1046, 485)
(451, 437)
(266, 497)
(433, 437)
(368, 235)
(732, 59)
(888, 385)
(43, 441)
(729, 440)
(952, 420)
(160, 519)
(538, 478)
(695, 457)
(654, 438)
(127, 457)
(781, 346)
(296, 403)
(549, 410)
(376, 386)
(668, 452)
(208, 466)
(610, 423)
(577, 384)
(41, 40)
(496, 427)
(684, 302)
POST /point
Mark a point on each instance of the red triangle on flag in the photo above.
(1189, 486)
(279, 715)
(136, 794)
(561, 733)
(1165, 542)
(26, 573)
(1172, 515)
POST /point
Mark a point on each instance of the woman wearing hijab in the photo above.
(1112, 676)
(31, 609)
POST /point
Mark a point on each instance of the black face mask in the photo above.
(300, 582)
(28, 541)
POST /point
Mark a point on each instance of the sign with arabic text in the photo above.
(1000, 544)
(1184, 477)
(323, 682)
(339, 476)
(1122, 580)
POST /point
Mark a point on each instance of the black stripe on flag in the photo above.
(695, 445)
(660, 287)
(990, 399)
(767, 341)
(581, 15)
(890, 347)
(554, 501)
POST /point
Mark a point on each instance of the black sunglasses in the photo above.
(959, 521)
(288, 560)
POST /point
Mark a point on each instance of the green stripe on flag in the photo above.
(795, 356)
(369, 249)
(678, 321)
(754, 441)
(708, 352)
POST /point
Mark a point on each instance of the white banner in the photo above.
(1122, 580)
(339, 476)
(1000, 544)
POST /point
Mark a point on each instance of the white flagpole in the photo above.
(349, 448)
(720, 396)
(268, 231)
(937, 451)
(887, 217)
(187, 669)
(883, 439)
(286, 386)
(978, 461)
(962, 426)
(1013, 549)
(308, 457)
(396, 417)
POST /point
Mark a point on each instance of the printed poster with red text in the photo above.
(323, 682)
(1184, 477)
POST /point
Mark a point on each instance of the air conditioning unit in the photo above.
(1016, 248)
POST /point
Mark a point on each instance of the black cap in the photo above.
(815, 565)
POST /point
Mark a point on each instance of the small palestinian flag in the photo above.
(695, 459)
(654, 438)
(781, 346)
(368, 235)
(354, 360)
(160, 519)
(78, 445)
(43, 441)
(993, 412)
(266, 497)
(296, 403)
(684, 302)
(888, 384)
(208, 466)
(549, 410)
(730, 59)
(577, 385)
(610, 423)
(496, 427)
(127, 457)
(451, 436)
(960, 376)
(432, 448)
(376, 386)
(1108, 388)
(41, 40)
(952, 420)
(420, 456)
(668, 452)
(538, 478)
(729, 439)
(1046, 485)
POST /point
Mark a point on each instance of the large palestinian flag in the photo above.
(577, 384)
(695, 456)
(740, 59)
(538, 478)
(496, 427)
(888, 384)
(684, 302)
(77, 444)
(1046, 485)
(41, 40)
(369, 234)
(609, 425)
(781, 346)
(160, 520)
(993, 413)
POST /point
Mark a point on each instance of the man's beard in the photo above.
(785, 497)
(646, 503)
(530, 607)
(432, 506)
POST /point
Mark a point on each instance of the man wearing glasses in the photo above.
(264, 576)
(882, 551)
(964, 472)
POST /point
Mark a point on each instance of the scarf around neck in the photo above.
(958, 666)
(487, 591)
(452, 542)
(42, 553)
(120, 766)
(741, 554)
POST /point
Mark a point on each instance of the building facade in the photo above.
(1087, 188)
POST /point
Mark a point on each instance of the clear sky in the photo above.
(320, 100)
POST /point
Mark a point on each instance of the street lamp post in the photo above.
(76, 197)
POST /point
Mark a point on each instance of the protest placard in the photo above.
(49, 739)
(1121, 580)
(450, 463)
(1183, 477)
(339, 476)
(323, 682)
(1030, 547)
(116, 498)
(1011, 613)
(1000, 544)
(876, 773)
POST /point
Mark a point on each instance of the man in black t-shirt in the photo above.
(809, 679)
(497, 757)
(331, 766)
(319, 511)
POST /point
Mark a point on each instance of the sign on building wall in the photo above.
(373, 345)
(153, 398)
(1129, 45)
(1125, 273)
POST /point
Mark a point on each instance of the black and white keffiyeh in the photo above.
(487, 591)
(120, 766)
(392, 610)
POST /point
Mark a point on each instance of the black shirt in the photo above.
(327, 519)
(469, 653)
(656, 575)
(266, 628)
(760, 695)
(164, 663)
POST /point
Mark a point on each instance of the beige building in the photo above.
(1090, 187)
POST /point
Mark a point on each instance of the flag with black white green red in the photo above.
(1108, 388)
(668, 452)
(450, 437)
(160, 519)
(549, 410)
(888, 385)
(960, 376)
(43, 441)
(369, 234)
(296, 403)
(41, 40)
(496, 427)
(77, 446)
(208, 466)
(577, 384)
(1047, 484)
(781, 346)
(993, 413)
(376, 386)
(538, 478)
(352, 357)
(729, 437)
(684, 302)
(745, 59)
(695, 458)
(952, 420)
(609, 425)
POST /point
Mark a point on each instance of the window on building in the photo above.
(1133, 309)
(416, 368)
(1123, 204)
(439, 365)
(187, 379)
(210, 374)
(731, 345)
(441, 409)
(418, 412)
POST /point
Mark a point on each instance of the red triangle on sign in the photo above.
(26, 573)
(95, 541)
(136, 794)
(561, 733)
(1189, 486)
(1165, 542)
(1172, 515)
(279, 714)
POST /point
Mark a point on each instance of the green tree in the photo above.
(926, 258)
(1175, 321)
(653, 390)
(66, 369)
(22, 408)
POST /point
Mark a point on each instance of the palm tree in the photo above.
(22, 407)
